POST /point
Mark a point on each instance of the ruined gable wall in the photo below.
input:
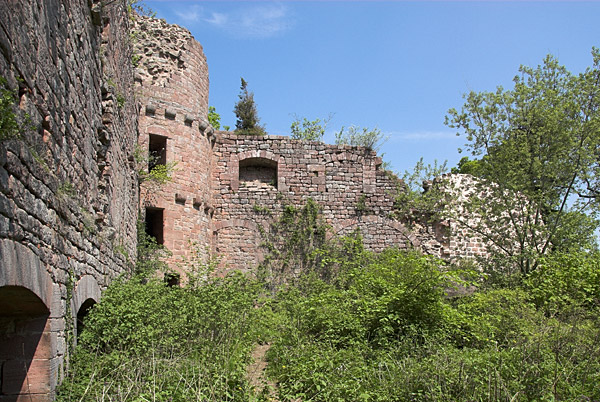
(347, 182)
(68, 192)
(453, 237)
(172, 80)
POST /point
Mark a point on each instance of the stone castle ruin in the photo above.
(86, 100)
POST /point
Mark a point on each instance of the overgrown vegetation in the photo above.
(351, 325)
(13, 122)
(372, 139)
(150, 172)
(537, 145)
(347, 324)
(421, 197)
(309, 130)
(214, 118)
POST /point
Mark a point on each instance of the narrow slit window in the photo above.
(155, 224)
(157, 151)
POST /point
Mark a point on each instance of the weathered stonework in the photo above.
(226, 186)
(172, 79)
(68, 191)
(256, 174)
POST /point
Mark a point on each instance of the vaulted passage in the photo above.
(25, 349)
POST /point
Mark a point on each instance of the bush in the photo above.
(362, 137)
(309, 130)
(148, 341)
(564, 280)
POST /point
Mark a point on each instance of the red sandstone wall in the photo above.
(172, 78)
(346, 181)
(68, 193)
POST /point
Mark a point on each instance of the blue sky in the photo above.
(395, 65)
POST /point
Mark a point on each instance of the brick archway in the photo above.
(85, 295)
(27, 295)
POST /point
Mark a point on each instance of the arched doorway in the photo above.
(82, 313)
(25, 346)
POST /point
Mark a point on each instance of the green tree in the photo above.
(468, 166)
(309, 130)
(214, 118)
(246, 113)
(540, 143)
(362, 137)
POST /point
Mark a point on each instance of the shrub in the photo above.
(148, 341)
(565, 280)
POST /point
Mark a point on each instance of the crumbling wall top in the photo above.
(170, 66)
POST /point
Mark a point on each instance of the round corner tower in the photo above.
(172, 83)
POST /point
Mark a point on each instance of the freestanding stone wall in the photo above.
(172, 78)
(68, 190)
(255, 174)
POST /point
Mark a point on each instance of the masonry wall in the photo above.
(172, 80)
(68, 189)
(254, 177)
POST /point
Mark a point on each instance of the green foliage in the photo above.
(135, 60)
(539, 141)
(246, 113)
(159, 175)
(140, 8)
(372, 139)
(566, 280)
(498, 317)
(120, 100)
(214, 118)
(361, 204)
(419, 196)
(147, 341)
(150, 255)
(293, 243)
(467, 166)
(10, 125)
(352, 325)
(308, 130)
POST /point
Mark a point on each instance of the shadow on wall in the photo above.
(25, 348)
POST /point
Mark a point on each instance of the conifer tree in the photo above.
(246, 113)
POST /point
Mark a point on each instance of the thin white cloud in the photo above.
(191, 14)
(422, 136)
(248, 21)
(218, 19)
(264, 20)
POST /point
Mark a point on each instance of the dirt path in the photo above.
(256, 373)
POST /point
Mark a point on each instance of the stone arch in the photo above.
(28, 308)
(388, 230)
(262, 158)
(86, 294)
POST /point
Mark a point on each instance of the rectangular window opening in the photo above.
(155, 224)
(157, 151)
